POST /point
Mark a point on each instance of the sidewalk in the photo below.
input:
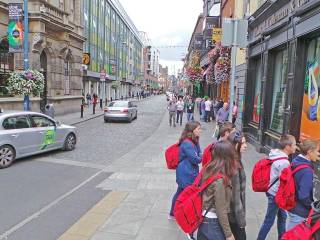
(75, 118)
(141, 191)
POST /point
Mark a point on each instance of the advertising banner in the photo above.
(310, 118)
(15, 27)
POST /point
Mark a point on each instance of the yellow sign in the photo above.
(86, 58)
(216, 34)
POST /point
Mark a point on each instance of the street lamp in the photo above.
(26, 100)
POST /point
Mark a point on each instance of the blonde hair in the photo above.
(307, 145)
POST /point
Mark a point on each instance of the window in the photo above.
(39, 121)
(6, 65)
(257, 91)
(67, 77)
(310, 115)
(17, 122)
(279, 90)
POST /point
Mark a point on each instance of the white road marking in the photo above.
(71, 163)
(46, 208)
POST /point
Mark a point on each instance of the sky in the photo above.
(167, 23)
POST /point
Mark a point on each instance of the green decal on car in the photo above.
(49, 138)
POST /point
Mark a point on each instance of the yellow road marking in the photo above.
(89, 223)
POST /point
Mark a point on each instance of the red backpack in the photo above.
(172, 155)
(188, 207)
(207, 155)
(286, 195)
(304, 230)
(261, 174)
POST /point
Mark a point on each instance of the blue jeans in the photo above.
(210, 229)
(293, 220)
(273, 211)
(174, 199)
(190, 117)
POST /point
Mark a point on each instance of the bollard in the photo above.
(100, 103)
(81, 110)
(94, 108)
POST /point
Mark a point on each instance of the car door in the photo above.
(46, 129)
(20, 134)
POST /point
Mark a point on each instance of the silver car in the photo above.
(27, 133)
(121, 110)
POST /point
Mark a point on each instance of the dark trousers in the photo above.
(210, 229)
(238, 233)
(179, 114)
(207, 116)
(174, 199)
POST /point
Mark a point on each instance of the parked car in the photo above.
(28, 133)
(121, 110)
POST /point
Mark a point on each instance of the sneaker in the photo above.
(170, 217)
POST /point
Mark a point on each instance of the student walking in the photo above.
(172, 108)
(88, 97)
(207, 109)
(216, 198)
(189, 159)
(303, 182)
(180, 109)
(287, 146)
(237, 216)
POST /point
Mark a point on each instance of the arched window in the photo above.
(67, 75)
(6, 65)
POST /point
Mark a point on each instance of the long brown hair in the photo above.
(224, 161)
(235, 138)
(188, 132)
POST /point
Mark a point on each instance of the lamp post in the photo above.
(26, 100)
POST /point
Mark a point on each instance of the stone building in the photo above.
(55, 48)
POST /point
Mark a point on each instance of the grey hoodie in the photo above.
(276, 168)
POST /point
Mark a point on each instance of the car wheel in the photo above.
(70, 142)
(7, 156)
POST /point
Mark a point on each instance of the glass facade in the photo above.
(279, 90)
(109, 38)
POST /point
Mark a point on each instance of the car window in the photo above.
(118, 104)
(39, 121)
(17, 122)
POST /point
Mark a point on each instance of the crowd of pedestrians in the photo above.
(224, 200)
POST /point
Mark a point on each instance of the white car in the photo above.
(27, 133)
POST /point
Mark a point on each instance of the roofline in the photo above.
(194, 30)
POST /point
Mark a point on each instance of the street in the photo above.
(42, 196)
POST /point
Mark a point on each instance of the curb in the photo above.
(85, 120)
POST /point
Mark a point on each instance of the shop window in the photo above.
(6, 66)
(257, 91)
(310, 118)
(279, 90)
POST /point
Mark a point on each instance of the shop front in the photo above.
(283, 75)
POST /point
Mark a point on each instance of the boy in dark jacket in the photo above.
(303, 182)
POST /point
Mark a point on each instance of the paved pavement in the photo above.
(141, 188)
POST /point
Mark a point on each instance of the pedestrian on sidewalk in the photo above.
(203, 110)
(189, 159)
(190, 110)
(237, 216)
(207, 109)
(95, 102)
(222, 115)
(287, 146)
(304, 182)
(234, 112)
(180, 109)
(216, 198)
(172, 108)
(88, 97)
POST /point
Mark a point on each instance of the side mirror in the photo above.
(58, 123)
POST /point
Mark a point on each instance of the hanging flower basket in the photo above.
(115, 84)
(194, 74)
(29, 82)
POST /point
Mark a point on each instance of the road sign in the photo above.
(228, 31)
(86, 58)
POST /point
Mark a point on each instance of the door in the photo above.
(46, 129)
(19, 133)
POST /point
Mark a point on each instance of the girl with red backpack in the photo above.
(237, 216)
(216, 197)
(189, 160)
(303, 182)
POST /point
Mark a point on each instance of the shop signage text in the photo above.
(279, 15)
(216, 35)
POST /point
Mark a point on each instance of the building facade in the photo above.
(55, 49)
(283, 78)
(115, 49)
